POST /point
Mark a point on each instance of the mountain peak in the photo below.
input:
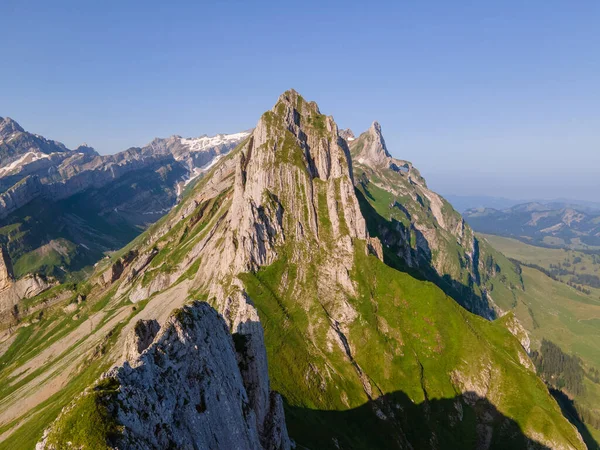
(375, 131)
(86, 149)
(8, 126)
(347, 134)
(294, 100)
(370, 146)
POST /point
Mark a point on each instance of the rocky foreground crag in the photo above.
(187, 385)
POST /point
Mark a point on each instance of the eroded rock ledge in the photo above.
(186, 389)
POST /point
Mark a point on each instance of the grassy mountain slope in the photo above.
(423, 233)
(59, 237)
(410, 345)
(580, 269)
(366, 356)
(550, 309)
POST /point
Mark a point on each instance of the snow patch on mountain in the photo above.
(27, 158)
(204, 142)
(200, 170)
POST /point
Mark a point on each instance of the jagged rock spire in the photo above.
(6, 270)
(347, 134)
(379, 142)
(370, 147)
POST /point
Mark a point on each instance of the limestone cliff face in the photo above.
(19, 195)
(188, 386)
(291, 171)
(6, 270)
(308, 144)
(372, 148)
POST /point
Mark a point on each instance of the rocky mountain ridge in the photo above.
(284, 201)
(185, 385)
(12, 291)
(57, 172)
(277, 238)
(85, 194)
(420, 230)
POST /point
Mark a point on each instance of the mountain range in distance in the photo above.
(549, 225)
(463, 203)
(62, 210)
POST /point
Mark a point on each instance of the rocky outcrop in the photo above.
(347, 134)
(186, 390)
(372, 149)
(116, 269)
(31, 285)
(6, 270)
(8, 127)
(12, 291)
(291, 183)
(294, 132)
(140, 339)
(344, 331)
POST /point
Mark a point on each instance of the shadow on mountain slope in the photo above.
(394, 241)
(395, 422)
(570, 412)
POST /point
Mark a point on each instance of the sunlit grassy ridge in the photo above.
(552, 310)
(408, 337)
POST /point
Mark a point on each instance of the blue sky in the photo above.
(487, 98)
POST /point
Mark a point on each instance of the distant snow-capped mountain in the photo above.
(84, 194)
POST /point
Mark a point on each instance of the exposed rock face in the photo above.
(6, 270)
(278, 224)
(373, 149)
(19, 195)
(12, 291)
(8, 127)
(31, 285)
(262, 183)
(188, 390)
(515, 327)
(140, 339)
(347, 134)
(116, 269)
(294, 157)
